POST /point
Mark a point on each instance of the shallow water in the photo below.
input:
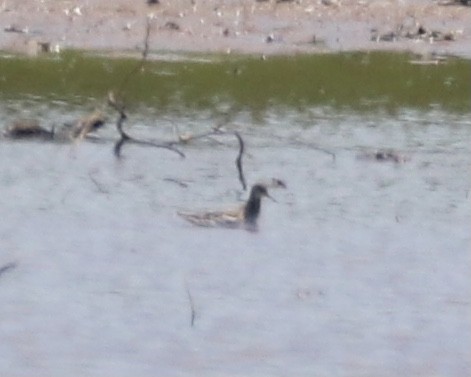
(361, 268)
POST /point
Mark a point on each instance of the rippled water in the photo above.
(361, 268)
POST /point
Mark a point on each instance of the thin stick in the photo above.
(140, 64)
(239, 161)
(315, 147)
(187, 139)
(145, 52)
(332, 154)
(176, 181)
(192, 305)
(97, 184)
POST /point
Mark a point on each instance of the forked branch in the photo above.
(126, 138)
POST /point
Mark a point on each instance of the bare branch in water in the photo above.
(239, 161)
(117, 147)
(147, 143)
(140, 65)
(145, 52)
(125, 138)
(185, 139)
(7, 267)
(119, 107)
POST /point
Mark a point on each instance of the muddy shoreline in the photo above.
(428, 28)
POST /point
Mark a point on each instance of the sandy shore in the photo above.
(244, 26)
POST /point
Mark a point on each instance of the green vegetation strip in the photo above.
(352, 81)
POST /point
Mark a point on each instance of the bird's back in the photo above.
(225, 219)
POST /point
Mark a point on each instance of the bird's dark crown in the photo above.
(258, 191)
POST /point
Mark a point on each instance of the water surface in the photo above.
(361, 267)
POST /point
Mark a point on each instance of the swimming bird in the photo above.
(27, 128)
(31, 129)
(243, 217)
(384, 155)
(88, 124)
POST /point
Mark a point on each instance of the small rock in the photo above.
(35, 47)
(270, 38)
(329, 2)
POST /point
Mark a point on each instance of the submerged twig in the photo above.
(192, 305)
(97, 184)
(7, 267)
(125, 138)
(332, 154)
(177, 181)
(128, 139)
(239, 161)
(186, 138)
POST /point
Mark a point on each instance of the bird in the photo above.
(244, 217)
(88, 124)
(27, 128)
(31, 129)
